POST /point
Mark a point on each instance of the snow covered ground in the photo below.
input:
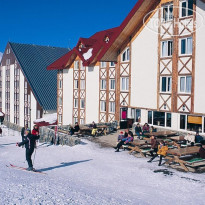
(88, 174)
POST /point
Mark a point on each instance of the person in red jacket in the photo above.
(35, 132)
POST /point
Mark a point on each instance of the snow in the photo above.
(50, 119)
(88, 174)
(1, 55)
(88, 54)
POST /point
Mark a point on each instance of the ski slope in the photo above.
(88, 174)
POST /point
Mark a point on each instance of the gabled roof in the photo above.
(132, 22)
(33, 60)
(87, 49)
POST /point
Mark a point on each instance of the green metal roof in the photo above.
(34, 60)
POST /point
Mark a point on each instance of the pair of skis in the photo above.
(24, 169)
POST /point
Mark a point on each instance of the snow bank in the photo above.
(88, 54)
(87, 174)
(50, 119)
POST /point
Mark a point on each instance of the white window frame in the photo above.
(170, 17)
(82, 84)
(167, 85)
(168, 49)
(185, 84)
(82, 102)
(112, 107)
(75, 103)
(124, 86)
(103, 64)
(126, 53)
(186, 46)
(103, 84)
(76, 84)
(187, 9)
(76, 65)
(103, 106)
(111, 84)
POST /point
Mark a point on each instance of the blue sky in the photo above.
(58, 22)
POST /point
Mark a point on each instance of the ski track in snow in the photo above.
(88, 174)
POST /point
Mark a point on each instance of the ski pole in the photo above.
(34, 157)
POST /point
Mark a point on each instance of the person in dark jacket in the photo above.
(198, 138)
(138, 130)
(29, 143)
(154, 145)
(75, 129)
(125, 141)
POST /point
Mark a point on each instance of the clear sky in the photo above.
(58, 22)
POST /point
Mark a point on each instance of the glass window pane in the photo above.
(184, 9)
(188, 84)
(182, 121)
(190, 7)
(128, 54)
(170, 12)
(165, 13)
(183, 46)
(138, 115)
(164, 84)
(182, 84)
(149, 117)
(159, 118)
(169, 119)
(169, 88)
(189, 45)
(170, 47)
(164, 48)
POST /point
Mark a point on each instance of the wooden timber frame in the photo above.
(60, 97)
(176, 65)
(107, 95)
(79, 92)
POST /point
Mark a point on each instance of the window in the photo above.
(186, 45)
(7, 61)
(75, 103)
(138, 115)
(82, 103)
(103, 85)
(8, 51)
(102, 106)
(182, 122)
(76, 65)
(60, 84)
(59, 118)
(159, 118)
(168, 12)
(112, 107)
(150, 117)
(112, 84)
(81, 66)
(185, 84)
(82, 84)
(166, 84)
(60, 101)
(126, 55)
(167, 48)
(75, 119)
(112, 64)
(38, 114)
(194, 123)
(103, 64)
(75, 84)
(82, 121)
(168, 119)
(186, 8)
(124, 84)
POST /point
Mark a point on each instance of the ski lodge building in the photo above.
(27, 89)
(149, 69)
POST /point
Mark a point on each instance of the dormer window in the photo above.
(107, 39)
(126, 55)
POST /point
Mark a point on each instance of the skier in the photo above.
(23, 132)
(29, 145)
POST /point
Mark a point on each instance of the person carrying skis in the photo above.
(29, 145)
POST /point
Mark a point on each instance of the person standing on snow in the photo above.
(35, 132)
(29, 143)
(23, 132)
